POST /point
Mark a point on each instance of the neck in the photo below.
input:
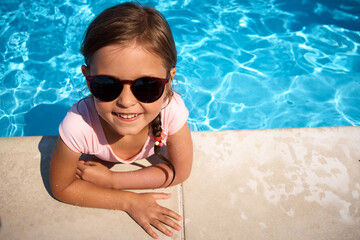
(113, 137)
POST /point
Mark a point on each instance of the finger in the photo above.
(161, 227)
(79, 173)
(81, 165)
(91, 163)
(150, 231)
(164, 219)
(159, 196)
(171, 214)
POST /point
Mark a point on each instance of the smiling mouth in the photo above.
(127, 116)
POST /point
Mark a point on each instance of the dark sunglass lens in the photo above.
(147, 90)
(105, 88)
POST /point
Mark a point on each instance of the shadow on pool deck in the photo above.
(46, 146)
(44, 119)
(249, 184)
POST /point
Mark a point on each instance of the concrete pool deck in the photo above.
(247, 184)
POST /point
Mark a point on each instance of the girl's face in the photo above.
(126, 115)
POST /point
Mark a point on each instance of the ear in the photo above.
(86, 72)
(169, 87)
(172, 73)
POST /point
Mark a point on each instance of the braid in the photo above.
(157, 130)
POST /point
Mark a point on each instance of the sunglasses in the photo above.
(107, 88)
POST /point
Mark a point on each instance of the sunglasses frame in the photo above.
(164, 81)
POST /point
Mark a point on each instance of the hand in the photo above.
(146, 212)
(95, 172)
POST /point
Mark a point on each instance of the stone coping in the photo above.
(246, 184)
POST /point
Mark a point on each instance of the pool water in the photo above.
(249, 64)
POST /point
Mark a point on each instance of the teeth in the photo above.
(127, 116)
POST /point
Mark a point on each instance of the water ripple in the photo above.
(241, 65)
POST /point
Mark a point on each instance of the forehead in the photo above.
(129, 59)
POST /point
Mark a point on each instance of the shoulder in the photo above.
(80, 113)
(174, 115)
(77, 128)
(176, 102)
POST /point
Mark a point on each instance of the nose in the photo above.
(126, 98)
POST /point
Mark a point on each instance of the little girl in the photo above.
(132, 112)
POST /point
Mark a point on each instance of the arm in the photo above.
(142, 208)
(180, 153)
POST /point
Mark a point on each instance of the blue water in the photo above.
(249, 64)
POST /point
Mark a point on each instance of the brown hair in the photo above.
(131, 22)
(128, 22)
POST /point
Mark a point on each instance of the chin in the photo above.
(128, 131)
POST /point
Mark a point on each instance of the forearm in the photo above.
(155, 176)
(85, 194)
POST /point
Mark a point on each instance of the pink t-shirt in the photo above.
(82, 132)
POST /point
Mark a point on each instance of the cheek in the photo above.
(153, 109)
(102, 107)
